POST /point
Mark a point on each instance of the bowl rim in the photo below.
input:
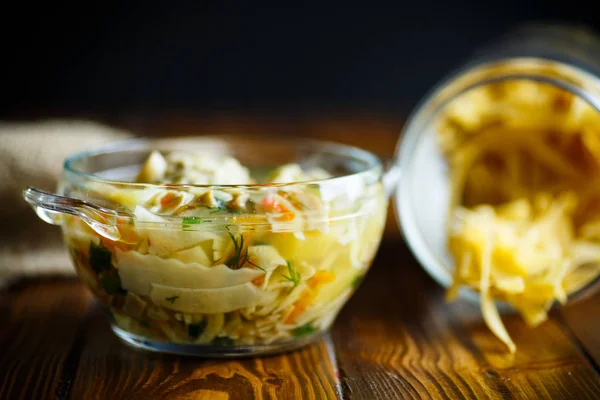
(374, 163)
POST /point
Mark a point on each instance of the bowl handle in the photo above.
(51, 207)
(391, 176)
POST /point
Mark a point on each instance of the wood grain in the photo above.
(110, 369)
(398, 338)
(39, 323)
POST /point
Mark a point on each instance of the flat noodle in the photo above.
(559, 276)
(214, 324)
(459, 273)
(551, 158)
(488, 307)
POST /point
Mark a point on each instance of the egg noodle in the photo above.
(524, 226)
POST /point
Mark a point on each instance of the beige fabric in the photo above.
(32, 154)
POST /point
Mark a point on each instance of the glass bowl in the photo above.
(220, 282)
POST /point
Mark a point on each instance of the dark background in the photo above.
(147, 58)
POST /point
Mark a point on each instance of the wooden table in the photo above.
(396, 338)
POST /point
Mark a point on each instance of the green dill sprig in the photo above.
(304, 330)
(256, 265)
(188, 221)
(239, 256)
(294, 276)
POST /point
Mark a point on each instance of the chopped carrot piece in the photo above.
(286, 217)
(321, 278)
(271, 204)
(258, 281)
(300, 306)
(170, 199)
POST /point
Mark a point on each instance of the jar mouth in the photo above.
(350, 163)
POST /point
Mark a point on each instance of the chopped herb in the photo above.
(239, 257)
(172, 299)
(145, 324)
(260, 243)
(187, 221)
(195, 330)
(222, 341)
(191, 220)
(304, 330)
(112, 284)
(293, 276)
(256, 265)
(100, 258)
(357, 281)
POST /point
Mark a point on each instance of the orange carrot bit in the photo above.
(286, 217)
(170, 199)
(271, 204)
(299, 306)
(259, 281)
(320, 278)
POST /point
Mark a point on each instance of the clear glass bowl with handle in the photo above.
(217, 280)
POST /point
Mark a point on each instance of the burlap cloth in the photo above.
(32, 154)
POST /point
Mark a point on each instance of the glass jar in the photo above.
(562, 60)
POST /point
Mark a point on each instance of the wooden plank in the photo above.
(39, 326)
(583, 321)
(111, 369)
(397, 338)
